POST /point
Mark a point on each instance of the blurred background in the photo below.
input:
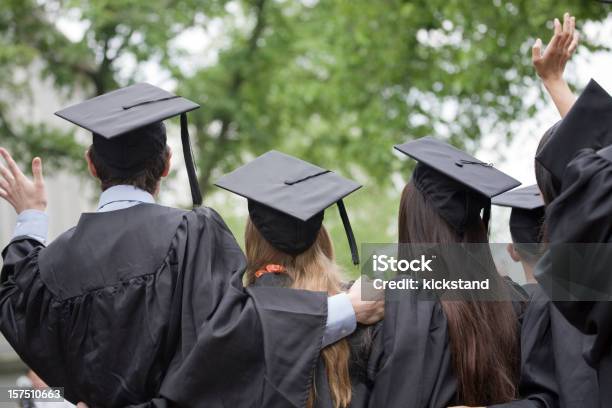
(335, 82)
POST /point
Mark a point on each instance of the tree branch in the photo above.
(238, 78)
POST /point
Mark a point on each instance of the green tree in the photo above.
(335, 81)
(117, 33)
(339, 82)
(23, 137)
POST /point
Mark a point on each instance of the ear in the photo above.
(168, 163)
(516, 257)
(90, 165)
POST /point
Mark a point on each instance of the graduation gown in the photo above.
(553, 370)
(415, 364)
(363, 366)
(582, 213)
(576, 381)
(133, 304)
(363, 362)
(561, 347)
(537, 384)
(551, 354)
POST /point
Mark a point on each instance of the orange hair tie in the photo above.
(270, 268)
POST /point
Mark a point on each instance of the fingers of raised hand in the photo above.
(536, 51)
(569, 30)
(12, 166)
(5, 185)
(37, 170)
(6, 175)
(557, 26)
(574, 44)
(566, 22)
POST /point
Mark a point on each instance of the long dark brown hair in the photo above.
(483, 334)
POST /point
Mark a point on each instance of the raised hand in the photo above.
(20, 191)
(551, 64)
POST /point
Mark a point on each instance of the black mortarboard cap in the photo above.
(526, 198)
(128, 130)
(527, 215)
(457, 184)
(287, 198)
(588, 124)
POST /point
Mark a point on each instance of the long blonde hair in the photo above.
(314, 269)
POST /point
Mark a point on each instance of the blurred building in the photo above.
(69, 194)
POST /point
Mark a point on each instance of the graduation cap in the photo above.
(588, 124)
(457, 184)
(128, 130)
(287, 198)
(527, 215)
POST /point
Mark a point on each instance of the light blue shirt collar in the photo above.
(123, 196)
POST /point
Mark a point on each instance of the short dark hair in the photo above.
(146, 179)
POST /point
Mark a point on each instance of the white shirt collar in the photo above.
(123, 196)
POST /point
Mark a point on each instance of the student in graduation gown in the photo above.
(537, 357)
(574, 275)
(551, 348)
(287, 245)
(112, 309)
(577, 381)
(438, 353)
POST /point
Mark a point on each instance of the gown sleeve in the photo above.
(577, 381)
(537, 384)
(259, 348)
(28, 312)
(576, 266)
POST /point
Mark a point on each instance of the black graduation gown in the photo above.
(364, 358)
(537, 384)
(415, 366)
(582, 213)
(121, 309)
(574, 381)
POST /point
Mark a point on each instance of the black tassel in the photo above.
(196, 194)
(349, 232)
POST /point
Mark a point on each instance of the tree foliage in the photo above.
(340, 82)
(334, 81)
